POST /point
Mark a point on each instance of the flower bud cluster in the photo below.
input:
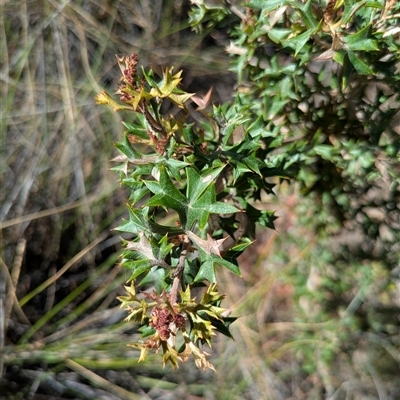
(161, 318)
(129, 76)
(130, 70)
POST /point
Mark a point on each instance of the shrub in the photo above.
(317, 104)
(189, 210)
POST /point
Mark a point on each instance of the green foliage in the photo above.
(317, 103)
(322, 80)
(189, 208)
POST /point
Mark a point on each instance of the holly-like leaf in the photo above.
(197, 182)
(168, 88)
(104, 98)
(350, 8)
(219, 207)
(307, 14)
(206, 316)
(223, 326)
(135, 224)
(200, 357)
(149, 76)
(138, 189)
(168, 83)
(138, 267)
(138, 131)
(144, 254)
(298, 42)
(167, 195)
(202, 198)
(360, 66)
(139, 221)
(202, 329)
(173, 166)
(211, 296)
(143, 246)
(135, 97)
(180, 98)
(137, 308)
(206, 270)
(361, 40)
(210, 255)
(277, 35)
(202, 102)
(171, 356)
(209, 246)
(198, 211)
(125, 147)
(164, 248)
(131, 296)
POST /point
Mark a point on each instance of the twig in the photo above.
(177, 273)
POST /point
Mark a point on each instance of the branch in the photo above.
(177, 273)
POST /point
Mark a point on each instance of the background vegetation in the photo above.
(319, 299)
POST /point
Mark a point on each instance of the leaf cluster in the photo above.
(193, 176)
(322, 80)
(317, 102)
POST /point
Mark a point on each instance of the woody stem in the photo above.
(178, 272)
